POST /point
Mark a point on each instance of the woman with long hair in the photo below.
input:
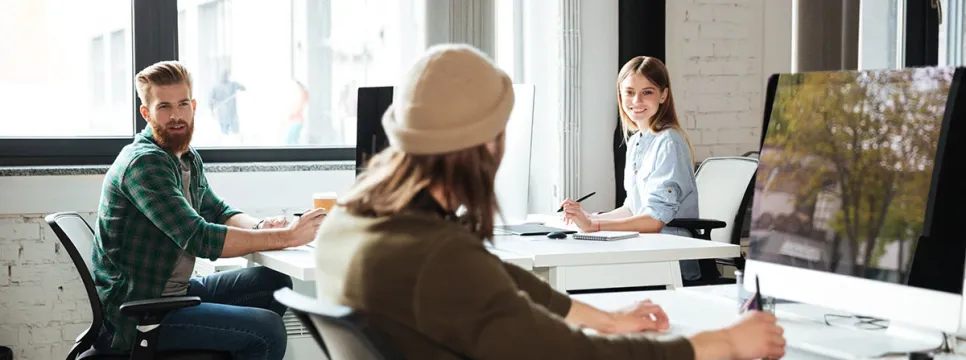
(396, 249)
(659, 171)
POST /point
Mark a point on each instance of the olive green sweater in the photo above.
(437, 293)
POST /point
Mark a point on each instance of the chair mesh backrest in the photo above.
(77, 239)
(80, 235)
(342, 332)
(344, 342)
(722, 182)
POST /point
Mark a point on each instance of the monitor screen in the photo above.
(846, 168)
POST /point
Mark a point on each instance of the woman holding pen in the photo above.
(659, 173)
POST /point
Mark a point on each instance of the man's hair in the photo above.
(161, 73)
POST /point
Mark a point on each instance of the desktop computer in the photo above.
(858, 198)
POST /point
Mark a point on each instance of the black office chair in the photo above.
(341, 332)
(724, 192)
(77, 237)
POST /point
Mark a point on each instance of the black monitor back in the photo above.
(370, 135)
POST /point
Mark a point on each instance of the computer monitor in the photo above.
(371, 104)
(856, 203)
(513, 177)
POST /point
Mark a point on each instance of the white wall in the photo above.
(43, 306)
(598, 101)
(540, 68)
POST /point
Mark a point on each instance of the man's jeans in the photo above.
(238, 314)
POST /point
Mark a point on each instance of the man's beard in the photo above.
(174, 143)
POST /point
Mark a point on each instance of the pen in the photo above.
(758, 295)
(581, 199)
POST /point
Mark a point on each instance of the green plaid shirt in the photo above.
(144, 223)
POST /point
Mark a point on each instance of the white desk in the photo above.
(649, 260)
(299, 262)
(695, 309)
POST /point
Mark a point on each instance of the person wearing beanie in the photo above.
(395, 250)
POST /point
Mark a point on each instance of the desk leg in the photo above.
(554, 276)
(675, 270)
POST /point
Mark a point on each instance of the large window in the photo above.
(951, 33)
(275, 80)
(65, 69)
(272, 73)
(881, 44)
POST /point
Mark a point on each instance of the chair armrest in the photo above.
(158, 306)
(695, 223)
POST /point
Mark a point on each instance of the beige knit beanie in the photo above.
(453, 98)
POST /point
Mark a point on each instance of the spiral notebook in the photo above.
(607, 235)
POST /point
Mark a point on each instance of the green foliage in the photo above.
(870, 138)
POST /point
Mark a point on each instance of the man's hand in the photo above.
(642, 316)
(275, 222)
(302, 230)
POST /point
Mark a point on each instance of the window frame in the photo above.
(921, 33)
(154, 36)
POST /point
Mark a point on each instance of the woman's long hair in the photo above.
(666, 117)
(467, 177)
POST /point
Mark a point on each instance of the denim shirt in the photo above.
(659, 180)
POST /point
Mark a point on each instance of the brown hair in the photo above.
(666, 117)
(161, 73)
(467, 177)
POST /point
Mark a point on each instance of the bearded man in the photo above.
(158, 214)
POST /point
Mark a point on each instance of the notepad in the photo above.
(606, 235)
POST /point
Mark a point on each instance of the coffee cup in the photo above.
(324, 200)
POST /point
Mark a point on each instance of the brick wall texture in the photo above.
(714, 55)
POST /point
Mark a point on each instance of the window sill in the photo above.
(210, 168)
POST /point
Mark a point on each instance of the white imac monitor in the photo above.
(857, 203)
(513, 177)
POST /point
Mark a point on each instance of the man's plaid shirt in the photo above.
(144, 222)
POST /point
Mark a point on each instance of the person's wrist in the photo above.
(608, 322)
(258, 225)
(713, 345)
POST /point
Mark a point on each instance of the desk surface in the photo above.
(299, 262)
(808, 337)
(646, 248)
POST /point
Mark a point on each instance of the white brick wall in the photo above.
(714, 53)
(43, 306)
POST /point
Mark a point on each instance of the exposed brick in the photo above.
(696, 47)
(9, 251)
(9, 335)
(737, 47)
(11, 219)
(718, 103)
(37, 252)
(45, 335)
(715, 50)
(16, 231)
(71, 331)
(738, 136)
(39, 352)
(723, 30)
(33, 274)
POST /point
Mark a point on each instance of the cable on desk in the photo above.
(863, 322)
